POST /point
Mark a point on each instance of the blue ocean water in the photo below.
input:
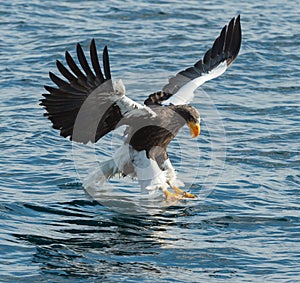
(245, 225)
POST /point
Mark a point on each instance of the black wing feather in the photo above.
(106, 63)
(229, 38)
(65, 72)
(74, 68)
(85, 66)
(221, 41)
(95, 62)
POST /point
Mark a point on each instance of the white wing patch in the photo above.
(186, 93)
(128, 107)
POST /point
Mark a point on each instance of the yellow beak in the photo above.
(194, 129)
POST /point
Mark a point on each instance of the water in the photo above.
(246, 229)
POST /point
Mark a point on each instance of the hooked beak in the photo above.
(194, 129)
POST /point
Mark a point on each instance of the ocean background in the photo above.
(245, 224)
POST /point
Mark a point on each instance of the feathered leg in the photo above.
(174, 183)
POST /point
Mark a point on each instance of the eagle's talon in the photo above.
(177, 195)
(183, 194)
(172, 196)
(188, 195)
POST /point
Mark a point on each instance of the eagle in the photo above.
(86, 104)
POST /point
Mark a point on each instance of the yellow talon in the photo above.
(177, 190)
(177, 195)
(183, 193)
(172, 196)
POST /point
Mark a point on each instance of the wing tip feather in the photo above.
(224, 50)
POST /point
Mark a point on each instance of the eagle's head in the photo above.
(191, 116)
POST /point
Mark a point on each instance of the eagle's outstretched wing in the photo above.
(180, 89)
(86, 105)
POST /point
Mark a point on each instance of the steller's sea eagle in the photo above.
(87, 104)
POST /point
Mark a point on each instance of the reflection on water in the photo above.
(77, 242)
(80, 244)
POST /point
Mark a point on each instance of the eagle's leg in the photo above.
(172, 196)
(177, 195)
(171, 180)
(182, 193)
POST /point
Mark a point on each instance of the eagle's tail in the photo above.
(100, 175)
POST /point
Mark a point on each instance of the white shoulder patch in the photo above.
(130, 108)
(186, 93)
(119, 87)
